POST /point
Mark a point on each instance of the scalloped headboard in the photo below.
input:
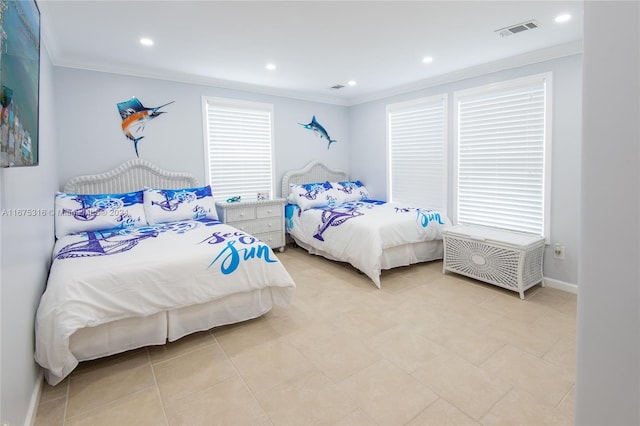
(131, 176)
(313, 172)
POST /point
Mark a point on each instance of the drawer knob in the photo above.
(269, 225)
(241, 214)
(268, 211)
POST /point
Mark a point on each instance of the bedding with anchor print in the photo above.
(310, 195)
(169, 205)
(357, 232)
(91, 212)
(97, 277)
(351, 190)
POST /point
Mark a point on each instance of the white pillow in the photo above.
(95, 212)
(171, 205)
(351, 191)
(309, 195)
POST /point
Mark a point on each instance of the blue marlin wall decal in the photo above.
(318, 130)
(134, 117)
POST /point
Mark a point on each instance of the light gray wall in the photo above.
(608, 347)
(26, 244)
(91, 138)
(368, 155)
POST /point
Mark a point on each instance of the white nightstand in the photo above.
(262, 219)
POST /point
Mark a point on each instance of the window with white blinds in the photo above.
(238, 147)
(416, 135)
(502, 149)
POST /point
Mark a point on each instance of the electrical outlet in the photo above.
(558, 251)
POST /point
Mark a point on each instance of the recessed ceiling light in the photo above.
(427, 60)
(146, 41)
(271, 67)
(351, 83)
(563, 18)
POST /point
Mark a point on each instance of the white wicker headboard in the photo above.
(313, 172)
(131, 176)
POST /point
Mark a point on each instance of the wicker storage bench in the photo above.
(506, 259)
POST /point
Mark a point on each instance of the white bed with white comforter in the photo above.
(370, 235)
(117, 289)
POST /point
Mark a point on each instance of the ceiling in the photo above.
(314, 44)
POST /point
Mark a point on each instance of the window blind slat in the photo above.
(239, 147)
(416, 133)
(501, 157)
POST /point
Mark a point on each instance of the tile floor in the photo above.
(427, 349)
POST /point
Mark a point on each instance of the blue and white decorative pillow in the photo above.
(351, 191)
(95, 212)
(309, 195)
(171, 205)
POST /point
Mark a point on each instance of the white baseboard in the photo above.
(561, 285)
(35, 400)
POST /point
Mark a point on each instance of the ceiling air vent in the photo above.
(518, 28)
(337, 86)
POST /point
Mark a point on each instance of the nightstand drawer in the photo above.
(260, 225)
(235, 214)
(272, 239)
(274, 210)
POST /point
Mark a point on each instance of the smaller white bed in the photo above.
(118, 289)
(370, 235)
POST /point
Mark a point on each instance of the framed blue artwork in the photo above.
(19, 82)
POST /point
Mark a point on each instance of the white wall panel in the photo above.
(26, 243)
(608, 346)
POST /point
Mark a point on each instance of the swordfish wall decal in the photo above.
(318, 130)
(134, 117)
